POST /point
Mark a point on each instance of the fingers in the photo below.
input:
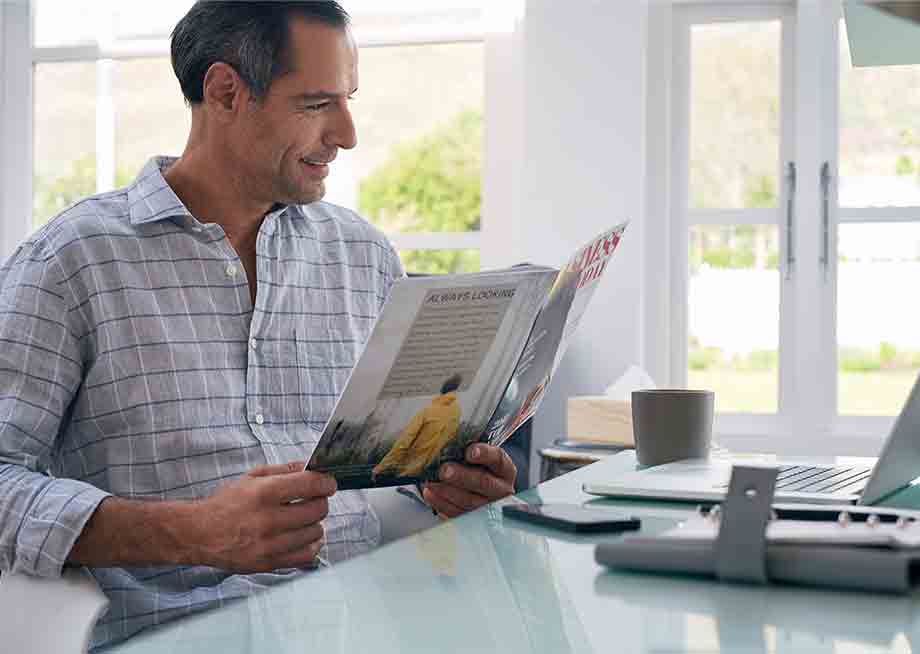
(283, 488)
(295, 549)
(295, 541)
(476, 480)
(493, 458)
(451, 501)
(277, 469)
(302, 558)
(295, 516)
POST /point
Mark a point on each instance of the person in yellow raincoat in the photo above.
(426, 434)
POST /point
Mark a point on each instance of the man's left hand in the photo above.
(489, 476)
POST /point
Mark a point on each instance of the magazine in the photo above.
(452, 360)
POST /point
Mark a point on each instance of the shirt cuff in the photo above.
(52, 525)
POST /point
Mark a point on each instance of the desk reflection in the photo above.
(751, 619)
(470, 585)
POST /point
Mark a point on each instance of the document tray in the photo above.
(740, 542)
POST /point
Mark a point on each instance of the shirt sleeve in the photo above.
(394, 270)
(41, 369)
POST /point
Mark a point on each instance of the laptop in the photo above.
(811, 481)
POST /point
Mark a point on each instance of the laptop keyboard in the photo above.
(823, 479)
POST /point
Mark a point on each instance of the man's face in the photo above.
(286, 142)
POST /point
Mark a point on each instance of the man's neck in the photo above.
(214, 195)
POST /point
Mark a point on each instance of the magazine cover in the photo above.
(426, 385)
(455, 359)
(551, 334)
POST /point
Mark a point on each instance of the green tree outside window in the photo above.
(431, 184)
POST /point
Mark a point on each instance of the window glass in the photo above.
(150, 115)
(374, 18)
(734, 316)
(64, 160)
(65, 22)
(877, 319)
(417, 166)
(879, 133)
(439, 262)
(418, 114)
(734, 123)
(142, 20)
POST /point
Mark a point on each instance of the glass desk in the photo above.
(483, 584)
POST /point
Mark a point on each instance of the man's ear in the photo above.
(224, 92)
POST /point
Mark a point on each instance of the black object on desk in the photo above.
(572, 517)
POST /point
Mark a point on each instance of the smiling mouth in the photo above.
(312, 161)
(315, 169)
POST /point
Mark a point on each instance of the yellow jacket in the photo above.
(423, 438)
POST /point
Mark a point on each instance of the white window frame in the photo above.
(807, 419)
(16, 110)
(15, 124)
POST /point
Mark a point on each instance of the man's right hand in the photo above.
(265, 520)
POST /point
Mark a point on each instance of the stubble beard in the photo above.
(294, 193)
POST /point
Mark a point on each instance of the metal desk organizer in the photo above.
(737, 542)
(741, 547)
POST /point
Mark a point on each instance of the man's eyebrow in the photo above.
(322, 95)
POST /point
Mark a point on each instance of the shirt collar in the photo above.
(152, 199)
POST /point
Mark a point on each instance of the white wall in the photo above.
(568, 145)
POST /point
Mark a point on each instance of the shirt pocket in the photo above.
(325, 358)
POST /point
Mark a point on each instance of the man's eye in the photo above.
(319, 106)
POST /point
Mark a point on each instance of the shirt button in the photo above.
(253, 343)
(260, 419)
(231, 271)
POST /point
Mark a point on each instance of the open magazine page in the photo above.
(551, 334)
(435, 365)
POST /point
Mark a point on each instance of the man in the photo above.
(425, 436)
(171, 348)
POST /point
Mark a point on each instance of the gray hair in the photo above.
(252, 37)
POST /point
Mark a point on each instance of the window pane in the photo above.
(879, 133)
(734, 123)
(878, 336)
(418, 161)
(150, 115)
(734, 316)
(141, 20)
(439, 262)
(64, 138)
(392, 19)
(65, 22)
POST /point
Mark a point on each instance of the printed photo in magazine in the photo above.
(454, 359)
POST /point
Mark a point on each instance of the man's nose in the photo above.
(342, 132)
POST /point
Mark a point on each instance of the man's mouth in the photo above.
(317, 161)
(316, 168)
